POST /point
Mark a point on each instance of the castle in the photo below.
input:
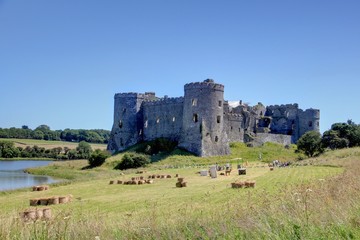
(203, 123)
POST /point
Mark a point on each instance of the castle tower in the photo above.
(127, 126)
(203, 129)
(309, 120)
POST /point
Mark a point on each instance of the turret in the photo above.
(203, 131)
(127, 126)
(309, 120)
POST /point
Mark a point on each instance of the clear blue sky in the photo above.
(61, 62)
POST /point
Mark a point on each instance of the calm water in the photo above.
(12, 174)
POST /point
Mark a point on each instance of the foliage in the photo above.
(342, 135)
(83, 150)
(98, 157)
(310, 143)
(43, 132)
(132, 160)
(9, 150)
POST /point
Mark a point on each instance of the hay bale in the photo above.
(168, 176)
(133, 182)
(39, 213)
(234, 185)
(150, 181)
(247, 184)
(29, 214)
(35, 188)
(44, 201)
(271, 168)
(47, 213)
(34, 202)
(163, 176)
(180, 180)
(178, 184)
(157, 176)
(63, 199)
(184, 184)
(53, 200)
(252, 184)
(141, 177)
(140, 182)
(46, 187)
(70, 197)
(176, 175)
(111, 182)
(40, 188)
(119, 182)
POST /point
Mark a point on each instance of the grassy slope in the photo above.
(280, 207)
(49, 144)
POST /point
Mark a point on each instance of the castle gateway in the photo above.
(203, 123)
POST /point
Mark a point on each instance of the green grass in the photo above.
(49, 144)
(304, 202)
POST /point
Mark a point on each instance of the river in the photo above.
(12, 175)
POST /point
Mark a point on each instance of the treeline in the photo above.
(43, 132)
(9, 150)
(341, 135)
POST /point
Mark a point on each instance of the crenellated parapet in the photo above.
(208, 83)
(163, 101)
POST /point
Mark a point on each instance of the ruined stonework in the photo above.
(203, 123)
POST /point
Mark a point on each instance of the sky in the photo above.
(61, 62)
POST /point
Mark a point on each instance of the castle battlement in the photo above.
(202, 122)
(161, 101)
(209, 83)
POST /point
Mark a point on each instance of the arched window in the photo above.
(120, 124)
(218, 119)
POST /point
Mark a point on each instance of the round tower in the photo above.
(309, 120)
(203, 130)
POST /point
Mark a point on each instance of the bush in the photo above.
(131, 160)
(98, 157)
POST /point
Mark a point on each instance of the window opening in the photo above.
(173, 119)
(220, 103)
(216, 139)
(146, 124)
(157, 120)
(218, 118)
(194, 102)
(310, 123)
(120, 124)
(195, 117)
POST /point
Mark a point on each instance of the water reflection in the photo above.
(13, 177)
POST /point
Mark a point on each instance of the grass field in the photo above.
(49, 144)
(319, 200)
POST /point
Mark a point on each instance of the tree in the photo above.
(131, 160)
(83, 150)
(98, 157)
(310, 143)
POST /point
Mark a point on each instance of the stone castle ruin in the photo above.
(203, 123)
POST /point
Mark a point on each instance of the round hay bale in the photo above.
(63, 199)
(39, 213)
(133, 178)
(180, 180)
(119, 182)
(168, 176)
(184, 184)
(46, 187)
(111, 182)
(241, 184)
(178, 184)
(141, 177)
(247, 184)
(150, 181)
(47, 213)
(53, 200)
(176, 175)
(271, 168)
(44, 201)
(163, 176)
(140, 182)
(34, 188)
(41, 188)
(157, 176)
(234, 185)
(134, 182)
(34, 202)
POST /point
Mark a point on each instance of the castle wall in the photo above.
(235, 127)
(162, 118)
(261, 138)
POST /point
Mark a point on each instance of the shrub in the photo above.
(131, 160)
(98, 157)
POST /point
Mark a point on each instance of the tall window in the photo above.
(194, 102)
(218, 119)
(220, 103)
(195, 117)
